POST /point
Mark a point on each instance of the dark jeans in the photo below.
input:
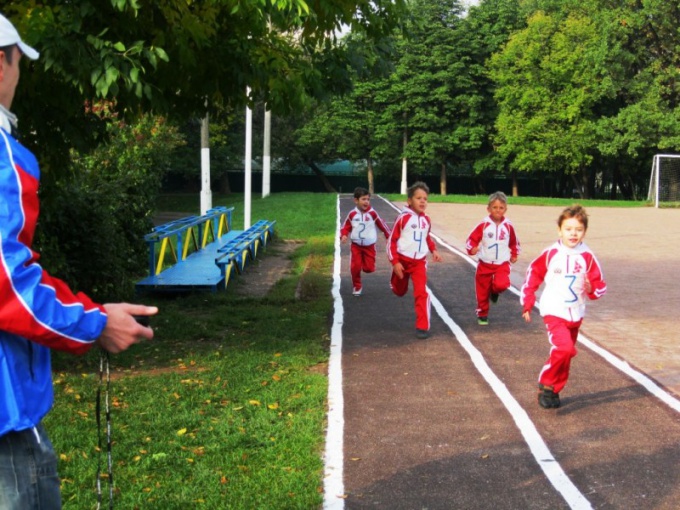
(28, 471)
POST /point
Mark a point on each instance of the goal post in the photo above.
(664, 181)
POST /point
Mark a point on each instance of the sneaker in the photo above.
(494, 297)
(356, 292)
(422, 334)
(547, 398)
(483, 321)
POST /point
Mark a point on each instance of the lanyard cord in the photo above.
(104, 367)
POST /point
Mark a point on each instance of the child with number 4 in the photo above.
(571, 273)
(360, 225)
(495, 243)
(407, 250)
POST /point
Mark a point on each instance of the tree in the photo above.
(488, 27)
(550, 78)
(432, 92)
(170, 56)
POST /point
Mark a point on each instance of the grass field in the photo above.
(225, 408)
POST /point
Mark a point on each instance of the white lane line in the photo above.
(545, 459)
(334, 487)
(552, 469)
(618, 363)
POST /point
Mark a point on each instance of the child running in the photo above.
(495, 243)
(407, 250)
(360, 225)
(570, 272)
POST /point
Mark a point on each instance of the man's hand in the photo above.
(398, 270)
(436, 256)
(122, 330)
(527, 316)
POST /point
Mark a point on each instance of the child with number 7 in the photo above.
(571, 273)
(407, 250)
(495, 243)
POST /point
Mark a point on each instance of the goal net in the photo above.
(664, 183)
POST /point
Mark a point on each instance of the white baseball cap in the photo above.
(10, 36)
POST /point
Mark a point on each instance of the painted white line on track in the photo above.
(545, 459)
(552, 469)
(334, 487)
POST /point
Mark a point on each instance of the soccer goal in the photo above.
(664, 183)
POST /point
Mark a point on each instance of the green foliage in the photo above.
(93, 223)
(177, 58)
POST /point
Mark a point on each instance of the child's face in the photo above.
(418, 202)
(497, 210)
(363, 202)
(572, 232)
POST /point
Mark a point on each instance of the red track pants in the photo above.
(562, 335)
(490, 279)
(416, 270)
(361, 258)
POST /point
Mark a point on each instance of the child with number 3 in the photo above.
(571, 273)
(407, 250)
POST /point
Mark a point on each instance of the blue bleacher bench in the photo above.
(204, 250)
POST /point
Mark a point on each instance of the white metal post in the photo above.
(206, 193)
(247, 185)
(266, 157)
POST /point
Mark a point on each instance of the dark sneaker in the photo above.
(494, 297)
(422, 334)
(547, 398)
(483, 321)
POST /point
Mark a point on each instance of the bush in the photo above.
(92, 224)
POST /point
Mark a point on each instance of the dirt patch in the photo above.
(271, 265)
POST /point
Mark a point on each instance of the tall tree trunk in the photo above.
(616, 177)
(442, 180)
(322, 177)
(515, 187)
(224, 185)
(371, 183)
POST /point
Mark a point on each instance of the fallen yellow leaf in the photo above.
(181, 432)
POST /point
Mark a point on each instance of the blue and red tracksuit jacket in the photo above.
(37, 312)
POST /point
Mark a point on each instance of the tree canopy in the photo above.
(178, 57)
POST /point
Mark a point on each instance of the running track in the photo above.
(451, 422)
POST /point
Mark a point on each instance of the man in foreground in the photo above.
(37, 313)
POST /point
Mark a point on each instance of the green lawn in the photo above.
(225, 408)
(482, 199)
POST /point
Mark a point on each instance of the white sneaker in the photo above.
(356, 292)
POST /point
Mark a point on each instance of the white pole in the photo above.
(206, 194)
(266, 157)
(404, 166)
(247, 185)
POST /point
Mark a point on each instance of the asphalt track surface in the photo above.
(452, 422)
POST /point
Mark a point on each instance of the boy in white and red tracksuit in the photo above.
(360, 225)
(407, 250)
(495, 243)
(571, 273)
